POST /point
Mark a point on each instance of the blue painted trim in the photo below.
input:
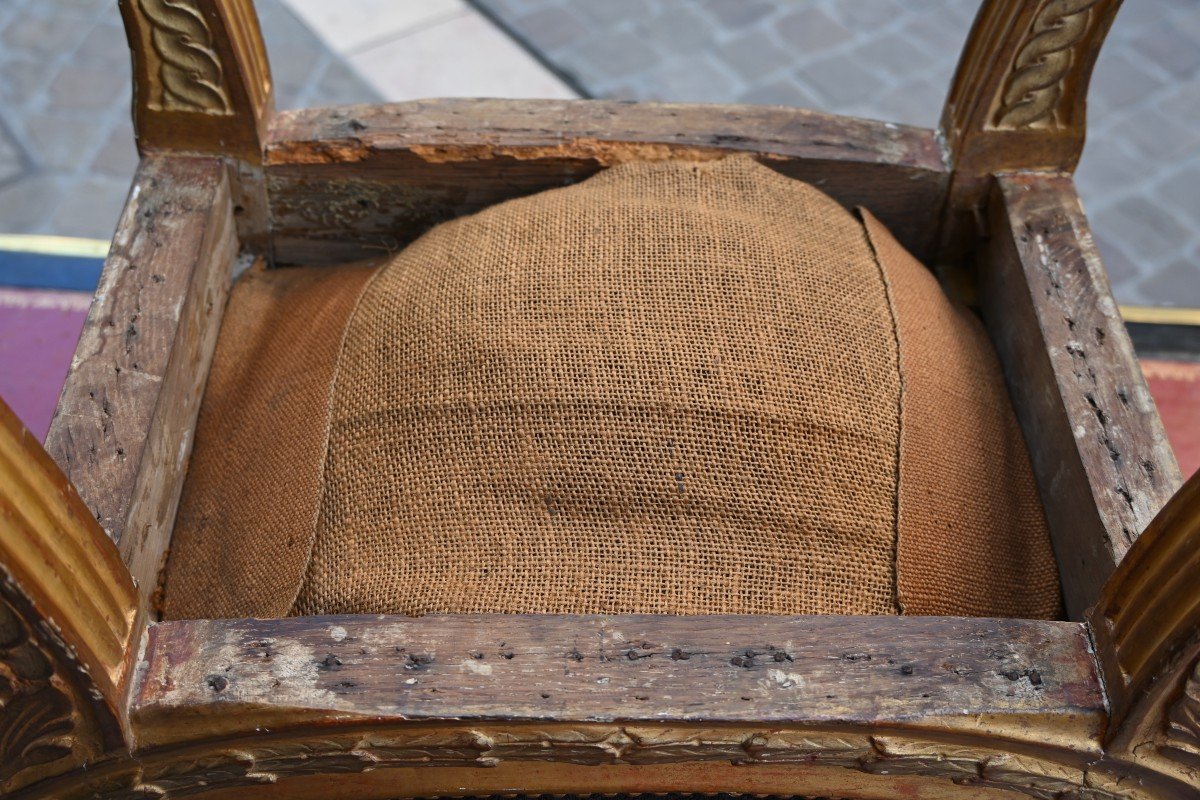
(44, 271)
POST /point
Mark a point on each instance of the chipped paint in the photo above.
(478, 667)
(786, 680)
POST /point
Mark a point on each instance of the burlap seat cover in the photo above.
(672, 388)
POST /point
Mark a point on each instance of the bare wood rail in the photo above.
(122, 430)
(357, 181)
(1099, 451)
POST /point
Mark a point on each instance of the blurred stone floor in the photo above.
(893, 60)
(66, 140)
(66, 150)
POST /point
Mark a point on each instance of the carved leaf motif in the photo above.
(36, 715)
(1034, 86)
(594, 744)
(1183, 720)
(189, 68)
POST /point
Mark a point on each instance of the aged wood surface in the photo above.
(948, 706)
(1019, 99)
(123, 428)
(357, 181)
(864, 707)
(201, 80)
(1099, 452)
(763, 669)
(68, 620)
(854, 707)
(1147, 630)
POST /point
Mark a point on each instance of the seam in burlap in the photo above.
(897, 600)
(975, 541)
(337, 371)
(962, 530)
(744, 173)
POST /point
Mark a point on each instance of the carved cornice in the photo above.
(187, 63)
(1035, 84)
(970, 768)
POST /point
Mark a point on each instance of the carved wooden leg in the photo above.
(69, 620)
(1147, 630)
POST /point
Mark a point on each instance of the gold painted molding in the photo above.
(201, 79)
(68, 620)
(1036, 83)
(1147, 633)
(943, 769)
(185, 61)
(1018, 101)
(1030, 114)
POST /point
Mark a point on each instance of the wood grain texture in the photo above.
(68, 620)
(534, 668)
(123, 428)
(948, 706)
(1099, 452)
(1147, 631)
(201, 79)
(358, 181)
(854, 707)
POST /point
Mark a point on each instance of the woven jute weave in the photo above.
(972, 537)
(246, 520)
(672, 388)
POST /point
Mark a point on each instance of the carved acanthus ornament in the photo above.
(38, 719)
(1182, 741)
(188, 67)
(1035, 84)
(597, 745)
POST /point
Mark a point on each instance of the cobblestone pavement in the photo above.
(66, 152)
(66, 140)
(893, 59)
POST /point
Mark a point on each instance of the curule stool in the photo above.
(100, 698)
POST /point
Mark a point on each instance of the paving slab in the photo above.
(458, 55)
(66, 141)
(893, 60)
(64, 81)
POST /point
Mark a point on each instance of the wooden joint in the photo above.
(1018, 101)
